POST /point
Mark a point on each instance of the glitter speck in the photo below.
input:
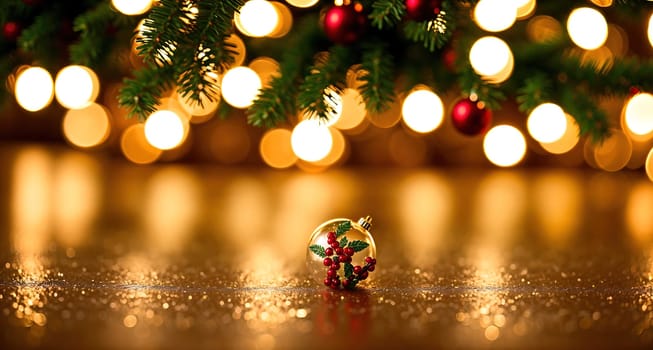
(130, 321)
(301, 313)
(166, 306)
(492, 333)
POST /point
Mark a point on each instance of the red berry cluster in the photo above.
(343, 256)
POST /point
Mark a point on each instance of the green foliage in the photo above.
(387, 13)
(343, 242)
(433, 34)
(358, 245)
(318, 250)
(343, 228)
(349, 270)
(142, 93)
(376, 66)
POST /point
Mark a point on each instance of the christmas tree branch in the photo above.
(387, 13)
(37, 38)
(376, 66)
(162, 32)
(143, 93)
(93, 26)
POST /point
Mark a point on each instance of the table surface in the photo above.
(96, 253)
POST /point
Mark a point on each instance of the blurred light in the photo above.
(495, 15)
(650, 30)
(284, 24)
(34, 89)
(257, 18)
(333, 102)
(638, 114)
(504, 74)
(547, 123)
(649, 165)
(422, 110)
(542, 29)
(587, 28)
(353, 110)
(164, 130)
(337, 150)
(310, 140)
(388, 118)
(617, 40)
(638, 212)
(600, 59)
(525, 8)
(132, 7)
(76, 87)
(504, 145)
(302, 3)
(602, 3)
(613, 153)
(568, 140)
(557, 204)
(266, 68)
(87, 127)
(239, 49)
(194, 108)
(240, 87)
(489, 56)
(276, 150)
(135, 146)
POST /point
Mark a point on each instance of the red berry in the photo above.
(346, 259)
(331, 235)
(373, 261)
(335, 282)
(329, 251)
(327, 262)
(332, 273)
(357, 269)
(370, 268)
(327, 281)
(349, 251)
(330, 240)
(346, 283)
(363, 275)
(335, 266)
(335, 245)
(368, 259)
(339, 250)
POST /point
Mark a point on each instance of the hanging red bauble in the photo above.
(11, 31)
(345, 24)
(470, 117)
(422, 10)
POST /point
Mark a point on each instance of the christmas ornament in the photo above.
(11, 31)
(422, 10)
(471, 117)
(341, 253)
(345, 24)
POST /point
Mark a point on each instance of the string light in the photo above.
(76, 87)
(240, 86)
(587, 28)
(422, 110)
(638, 114)
(132, 7)
(164, 129)
(495, 15)
(310, 140)
(34, 89)
(257, 18)
(489, 56)
(87, 127)
(547, 123)
(504, 145)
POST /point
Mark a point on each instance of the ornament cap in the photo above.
(365, 222)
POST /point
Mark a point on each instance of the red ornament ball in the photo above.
(11, 31)
(422, 10)
(470, 117)
(345, 24)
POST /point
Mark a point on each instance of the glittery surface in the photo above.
(96, 253)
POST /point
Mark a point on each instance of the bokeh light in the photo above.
(132, 7)
(257, 18)
(353, 110)
(194, 108)
(284, 24)
(650, 29)
(87, 127)
(311, 140)
(614, 152)
(525, 8)
(337, 151)
(587, 28)
(547, 123)
(489, 56)
(135, 147)
(239, 49)
(76, 87)
(333, 102)
(422, 110)
(34, 89)
(266, 68)
(240, 86)
(302, 3)
(568, 140)
(164, 129)
(504, 145)
(649, 165)
(542, 29)
(638, 114)
(495, 15)
(275, 149)
(602, 3)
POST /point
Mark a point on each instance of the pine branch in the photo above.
(13, 9)
(433, 34)
(162, 32)
(93, 25)
(387, 13)
(143, 93)
(37, 38)
(471, 83)
(590, 118)
(376, 67)
(536, 90)
(327, 76)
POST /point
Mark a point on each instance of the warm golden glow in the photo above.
(650, 29)
(547, 123)
(495, 15)
(504, 145)
(649, 164)
(490, 56)
(34, 89)
(614, 152)
(257, 18)
(602, 3)
(87, 127)
(302, 3)
(638, 212)
(422, 110)
(311, 140)
(165, 129)
(206, 108)
(638, 114)
(132, 7)
(135, 147)
(239, 49)
(337, 150)
(587, 28)
(284, 25)
(276, 150)
(542, 29)
(407, 149)
(558, 206)
(76, 87)
(240, 87)
(230, 141)
(266, 68)
(568, 140)
(389, 117)
(353, 110)
(525, 8)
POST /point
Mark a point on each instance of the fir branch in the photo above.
(471, 83)
(590, 118)
(535, 91)
(326, 76)
(318, 250)
(13, 9)
(37, 38)
(433, 34)
(143, 93)
(92, 46)
(376, 66)
(387, 13)
(343, 228)
(162, 31)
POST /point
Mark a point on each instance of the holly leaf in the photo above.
(318, 250)
(343, 228)
(358, 245)
(343, 242)
(349, 269)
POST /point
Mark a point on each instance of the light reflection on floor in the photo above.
(171, 255)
